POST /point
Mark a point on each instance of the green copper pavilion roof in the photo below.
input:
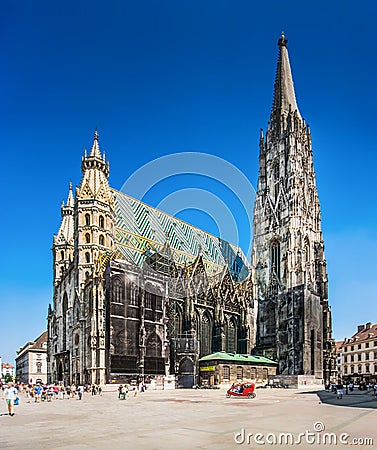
(234, 357)
(142, 229)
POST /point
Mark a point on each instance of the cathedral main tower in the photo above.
(293, 318)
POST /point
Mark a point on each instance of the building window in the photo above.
(375, 355)
(359, 346)
(101, 222)
(87, 238)
(375, 343)
(352, 368)
(366, 344)
(352, 358)
(352, 348)
(148, 300)
(239, 373)
(39, 367)
(375, 368)
(359, 368)
(87, 257)
(226, 373)
(367, 368)
(87, 219)
(345, 370)
(275, 258)
(366, 356)
(101, 240)
(62, 254)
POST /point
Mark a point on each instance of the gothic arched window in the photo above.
(87, 257)
(231, 337)
(205, 337)
(153, 346)
(275, 258)
(101, 222)
(62, 254)
(117, 290)
(87, 238)
(101, 240)
(87, 219)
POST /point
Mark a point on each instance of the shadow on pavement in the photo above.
(355, 399)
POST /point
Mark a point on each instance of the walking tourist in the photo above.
(339, 389)
(10, 394)
(80, 391)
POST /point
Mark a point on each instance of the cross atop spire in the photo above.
(70, 201)
(95, 147)
(284, 92)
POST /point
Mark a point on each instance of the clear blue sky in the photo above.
(159, 77)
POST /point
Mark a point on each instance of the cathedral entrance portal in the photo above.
(186, 373)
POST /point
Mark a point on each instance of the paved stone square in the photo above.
(189, 419)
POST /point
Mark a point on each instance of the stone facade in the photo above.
(289, 266)
(31, 361)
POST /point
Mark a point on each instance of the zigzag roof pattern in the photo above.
(142, 229)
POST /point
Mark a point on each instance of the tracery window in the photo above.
(231, 342)
(101, 222)
(87, 219)
(205, 336)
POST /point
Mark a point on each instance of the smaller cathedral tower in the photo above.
(94, 214)
(63, 241)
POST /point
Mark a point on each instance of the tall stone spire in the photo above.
(284, 92)
(289, 267)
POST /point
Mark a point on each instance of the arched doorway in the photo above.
(186, 373)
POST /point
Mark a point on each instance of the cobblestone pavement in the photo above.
(192, 419)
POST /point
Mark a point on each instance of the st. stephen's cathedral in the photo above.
(140, 294)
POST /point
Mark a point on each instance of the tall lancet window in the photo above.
(275, 258)
(276, 171)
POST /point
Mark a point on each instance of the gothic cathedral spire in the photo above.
(288, 250)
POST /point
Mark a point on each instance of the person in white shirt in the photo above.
(10, 394)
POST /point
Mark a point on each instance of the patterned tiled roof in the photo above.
(141, 229)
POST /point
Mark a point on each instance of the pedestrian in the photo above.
(10, 395)
(38, 393)
(80, 391)
(339, 389)
(100, 390)
(61, 392)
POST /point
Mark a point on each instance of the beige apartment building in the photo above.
(359, 361)
(31, 361)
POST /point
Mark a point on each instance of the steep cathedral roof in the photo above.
(284, 92)
(142, 229)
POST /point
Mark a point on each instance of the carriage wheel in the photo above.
(227, 395)
(251, 395)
